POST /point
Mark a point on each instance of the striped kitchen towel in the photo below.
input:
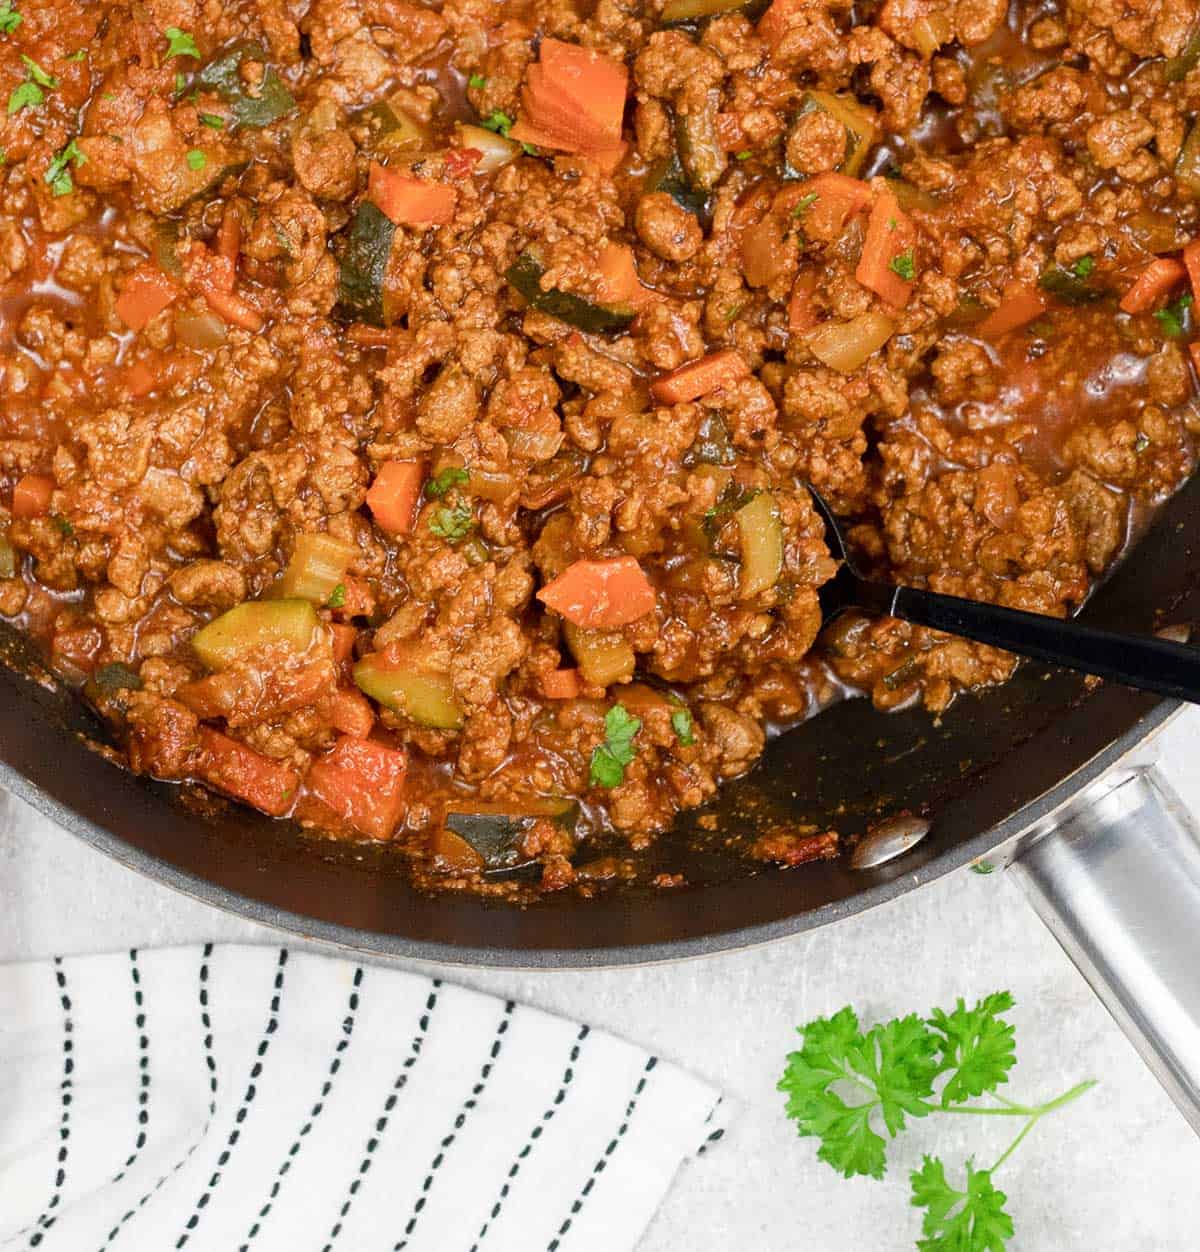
(233, 1099)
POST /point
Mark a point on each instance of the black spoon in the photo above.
(1142, 661)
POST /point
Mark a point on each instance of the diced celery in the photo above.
(844, 346)
(256, 624)
(399, 681)
(318, 565)
(604, 656)
(762, 544)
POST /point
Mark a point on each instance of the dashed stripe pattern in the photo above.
(534, 1135)
(602, 1164)
(717, 1134)
(389, 1104)
(247, 1100)
(143, 1100)
(47, 1218)
(326, 1087)
(459, 1122)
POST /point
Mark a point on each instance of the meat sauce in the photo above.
(408, 409)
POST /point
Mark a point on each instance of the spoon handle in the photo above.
(1142, 661)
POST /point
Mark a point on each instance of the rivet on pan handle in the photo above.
(1116, 878)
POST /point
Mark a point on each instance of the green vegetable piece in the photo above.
(903, 265)
(681, 724)
(256, 624)
(212, 121)
(1176, 69)
(977, 1044)
(712, 445)
(180, 43)
(337, 597)
(26, 95)
(862, 133)
(453, 522)
(444, 480)
(402, 683)
(477, 81)
(699, 143)
(667, 176)
(525, 275)
(268, 103)
(58, 172)
(610, 758)
(1176, 317)
(363, 259)
(1083, 267)
(1187, 164)
(37, 74)
(196, 159)
(494, 829)
(679, 12)
(317, 568)
(1069, 287)
(117, 676)
(499, 121)
(394, 130)
(10, 19)
(973, 1220)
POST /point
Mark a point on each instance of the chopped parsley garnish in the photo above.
(63, 525)
(58, 172)
(1174, 319)
(610, 758)
(983, 867)
(441, 483)
(681, 724)
(180, 83)
(10, 19)
(1142, 442)
(804, 204)
(499, 121)
(337, 597)
(80, 54)
(37, 74)
(903, 265)
(452, 521)
(744, 155)
(196, 159)
(849, 1087)
(1083, 267)
(26, 95)
(180, 43)
(477, 81)
(212, 121)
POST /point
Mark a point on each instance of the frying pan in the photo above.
(1011, 774)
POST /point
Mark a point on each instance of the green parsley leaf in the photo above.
(744, 155)
(3, 156)
(610, 758)
(1083, 267)
(10, 19)
(452, 522)
(499, 121)
(25, 96)
(63, 525)
(196, 159)
(180, 83)
(440, 484)
(681, 724)
(80, 54)
(58, 172)
(983, 867)
(477, 81)
(180, 43)
(38, 74)
(337, 597)
(903, 265)
(960, 1221)
(1175, 319)
(804, 204)
(212, 121)
(977, 1044)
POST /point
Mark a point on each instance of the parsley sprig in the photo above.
(846, 1085)
(610, 758)
(10, 19)
(1175, 318)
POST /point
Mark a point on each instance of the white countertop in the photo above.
(1118, 1170)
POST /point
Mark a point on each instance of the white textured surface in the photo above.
(1117, 1171)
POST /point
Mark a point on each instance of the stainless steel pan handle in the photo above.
(1116, 878)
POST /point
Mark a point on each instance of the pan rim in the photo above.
(379, 944)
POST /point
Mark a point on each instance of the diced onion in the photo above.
(497, 151)
(8, 559)
(693, 10)
(844, 346)
(202, 331)
(929, 33)
(762, 544)
(534, 445)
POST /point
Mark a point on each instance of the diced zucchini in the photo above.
(909, 197)
(1070, 287)
(452, 854)
(762, 544)
(290, 624)
(604, 656)
(493, 829)
(525, 275)
(318, 565)
(700, 149)
(677, 12)
(667, 176)
(711, 446)
(1187, 164)
(117, 676)
(393, 130)
(400, 682)
(858, 122)
(267, 102)
(363, 261)
(1178, 68)
(166, 247)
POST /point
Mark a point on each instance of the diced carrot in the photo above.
(410, 201)
(213, 276)
(146, 293)
(888, 252)
(393, 496)
(619, 282)
(245, 774)
(351, 713)
(1151, 285)
(802, 315)
(229, 236)
(363, 783)
(607, 159)
(698, 378)
(31, 496)
(774, 23)
(838, 198)
(594, 83)
(234, 309)
(140, 379)
(561, 684)
(1191, 262)
(600, 594)
(1020, 306)
(344, 639)
(558, 114)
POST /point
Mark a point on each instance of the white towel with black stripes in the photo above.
(241, 1099)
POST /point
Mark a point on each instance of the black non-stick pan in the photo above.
(1024, 757)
